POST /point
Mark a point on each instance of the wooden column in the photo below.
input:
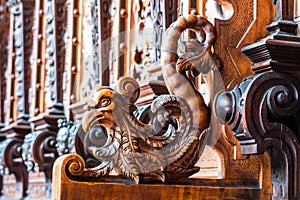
(4, 34)
(17, 91)
(38, 149)
(18, 71)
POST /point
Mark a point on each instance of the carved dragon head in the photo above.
(100, 107)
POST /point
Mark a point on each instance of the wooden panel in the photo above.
(246, 26)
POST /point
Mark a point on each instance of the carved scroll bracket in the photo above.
(10, 158)
(39, 153)
(263, 111)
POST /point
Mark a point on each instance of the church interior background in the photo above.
(149, 99)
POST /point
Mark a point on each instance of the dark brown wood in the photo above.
(270, 123)
(11, 158)
(103, 40)
(39, 153)
(55, 54)
(18, 109)
(244, 27)
(108, 133)
(276, 108)
(4, 33)
(17, 95)
(41, 62)
(279, 49)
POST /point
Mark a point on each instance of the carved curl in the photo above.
(75, 165)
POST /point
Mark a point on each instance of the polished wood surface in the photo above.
(69, 185)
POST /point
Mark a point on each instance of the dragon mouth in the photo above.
(92, 119)
(96, 121)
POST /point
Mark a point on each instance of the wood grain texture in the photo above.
(70, 188)
(246, 26)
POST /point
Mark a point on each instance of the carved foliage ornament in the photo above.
(65, 139)
(170, 144)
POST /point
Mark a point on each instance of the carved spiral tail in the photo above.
(177, 83)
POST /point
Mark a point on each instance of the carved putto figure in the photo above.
(169, 145)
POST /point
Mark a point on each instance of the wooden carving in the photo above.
(94, 73)
(264, 109)
(55, 54)
(245, 26)
(276, 110)
(150, 19)
(39, 153)
(97, 26)
(170, 144)
(65, 139)
(23, 39)
(4, 32)
(11, 159)
(101, 18)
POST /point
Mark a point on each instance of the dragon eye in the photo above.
(104, 102)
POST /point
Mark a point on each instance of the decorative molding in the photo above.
(270, 122)
(267, 53)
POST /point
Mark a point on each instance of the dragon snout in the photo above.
(97, 136)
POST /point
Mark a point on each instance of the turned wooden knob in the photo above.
(224, 107)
